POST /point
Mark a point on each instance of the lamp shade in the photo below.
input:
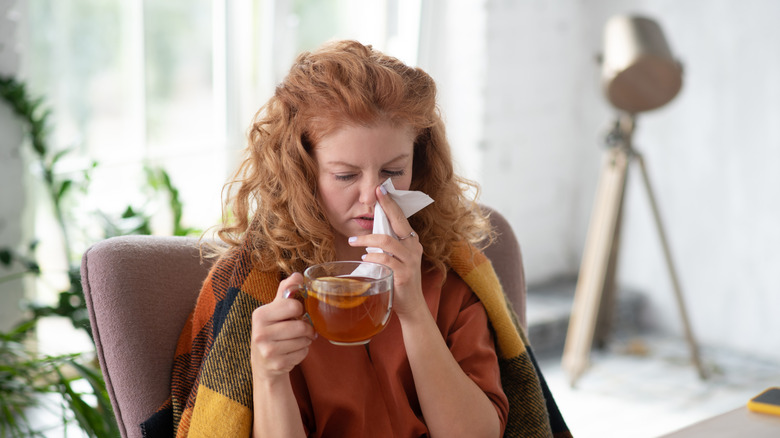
(638, 72)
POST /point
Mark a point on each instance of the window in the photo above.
(174, 84)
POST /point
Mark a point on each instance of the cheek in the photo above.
(332, 198)
(403, 183)
(408, 183)
(325, 198)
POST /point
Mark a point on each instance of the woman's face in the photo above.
(352, 162)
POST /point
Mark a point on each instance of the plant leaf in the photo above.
(64, 186)
(5, 256)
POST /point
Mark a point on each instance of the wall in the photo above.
(541, 139)
(713, 156)
(11, 169)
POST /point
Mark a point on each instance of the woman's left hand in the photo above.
(403, 256)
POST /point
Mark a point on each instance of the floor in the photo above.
(642, 384)
(646, 387)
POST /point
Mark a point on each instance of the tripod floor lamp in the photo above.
(638, 74)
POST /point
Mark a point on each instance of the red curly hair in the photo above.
(273, 198)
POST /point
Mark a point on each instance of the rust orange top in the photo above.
(368, 390)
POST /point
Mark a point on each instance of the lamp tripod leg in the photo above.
(672, 272)
(597, 266)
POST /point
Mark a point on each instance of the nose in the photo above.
(368, 191)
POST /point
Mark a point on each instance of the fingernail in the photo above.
(352, 239)
(363, 257)
(383, 190)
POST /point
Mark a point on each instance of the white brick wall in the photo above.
(713, 155)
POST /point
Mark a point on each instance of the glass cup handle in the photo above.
(298, 293)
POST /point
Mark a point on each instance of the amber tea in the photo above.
(348, 302)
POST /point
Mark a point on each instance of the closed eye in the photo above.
(351, 176)
(394, 173)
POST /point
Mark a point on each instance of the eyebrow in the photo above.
(344, 163)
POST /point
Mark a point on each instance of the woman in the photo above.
(345, 119)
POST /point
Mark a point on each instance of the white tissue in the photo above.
(410, 201)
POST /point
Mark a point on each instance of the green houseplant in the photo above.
(24, 373)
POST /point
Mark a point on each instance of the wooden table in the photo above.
(740, 422)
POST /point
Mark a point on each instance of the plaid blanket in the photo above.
(211, 392)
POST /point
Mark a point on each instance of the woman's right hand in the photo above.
(280, 338)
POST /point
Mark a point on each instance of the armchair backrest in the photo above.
(139, 292)
(140, 289)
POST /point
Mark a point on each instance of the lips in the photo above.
(365, 222)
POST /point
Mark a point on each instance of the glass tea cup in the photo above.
(348, 303)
